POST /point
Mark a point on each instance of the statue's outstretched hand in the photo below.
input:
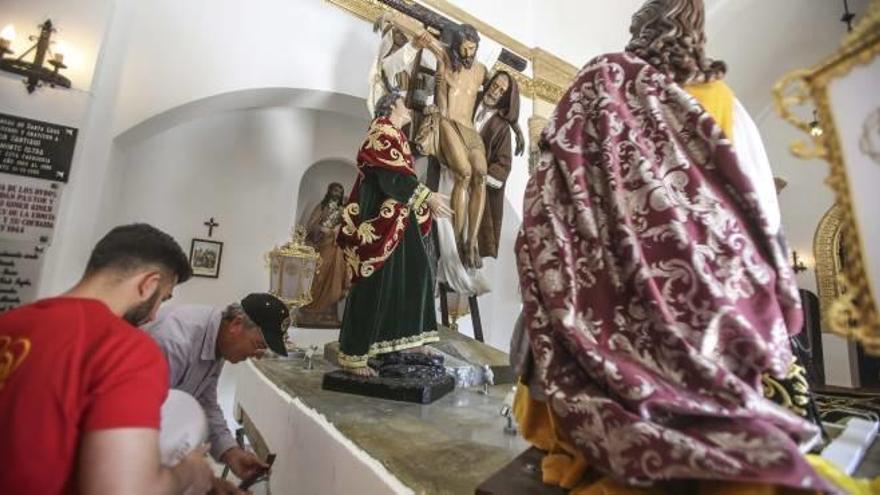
(422, 39)
(439, 205)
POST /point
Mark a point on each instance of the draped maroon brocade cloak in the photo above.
(367, 243)
(654, 296)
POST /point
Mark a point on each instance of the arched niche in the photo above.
(314, 182)
(303, 98)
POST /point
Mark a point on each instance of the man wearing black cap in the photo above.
(197, 340)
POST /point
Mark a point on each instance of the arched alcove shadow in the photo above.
(302, 98)
(314, 182)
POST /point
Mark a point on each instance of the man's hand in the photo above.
(195, 471)
(439, 205)
(224, 487)
(243, 463)
(430, 110)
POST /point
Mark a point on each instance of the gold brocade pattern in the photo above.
(366, 235)
(384, 347)
(12, 353)
(377, 140)
(792, 392)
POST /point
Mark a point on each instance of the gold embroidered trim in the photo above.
(384, 347)
(419, 196)
(378, 139)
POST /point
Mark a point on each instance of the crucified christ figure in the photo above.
(459, 79)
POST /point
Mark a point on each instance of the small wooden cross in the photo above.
(211, 224)
(847, 16)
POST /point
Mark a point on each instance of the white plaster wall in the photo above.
(499, 308)
(241, 167)
(578, 30)
(184, 51)
(512, 17)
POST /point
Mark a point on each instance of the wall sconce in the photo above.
(797, 264)
(815, 128)
(35, 72)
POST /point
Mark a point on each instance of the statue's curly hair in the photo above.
(671, 36)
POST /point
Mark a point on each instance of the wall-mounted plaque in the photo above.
(35, 149)
(28, 209)
(20, 267)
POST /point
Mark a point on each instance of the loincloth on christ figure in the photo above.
(468, 135)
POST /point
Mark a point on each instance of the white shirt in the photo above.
(753, 160)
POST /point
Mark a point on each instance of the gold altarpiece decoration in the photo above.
(850, 307)
(550, 74)
(292, 267)
(829, 267)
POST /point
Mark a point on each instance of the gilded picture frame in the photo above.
(845, 92)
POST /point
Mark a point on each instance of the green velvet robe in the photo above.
(392, 309)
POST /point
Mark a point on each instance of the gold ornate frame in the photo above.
(826, 246)
(853, 312)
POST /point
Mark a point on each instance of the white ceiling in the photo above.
(760, 40)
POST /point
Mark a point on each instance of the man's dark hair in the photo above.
(462, 33)
(386, 104)
(129, 247)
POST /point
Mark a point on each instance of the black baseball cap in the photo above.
(271, 315)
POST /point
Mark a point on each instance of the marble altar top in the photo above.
(448, 447)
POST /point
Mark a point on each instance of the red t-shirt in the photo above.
(69, 366)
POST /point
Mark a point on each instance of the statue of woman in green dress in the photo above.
(384, 229)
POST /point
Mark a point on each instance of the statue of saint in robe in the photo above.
(331, 282)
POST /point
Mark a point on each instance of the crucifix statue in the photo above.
(211, 224)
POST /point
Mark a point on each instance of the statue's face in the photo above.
(496, 91)
(467, 51)
(646, 15)
(398, 38)
(336, 194)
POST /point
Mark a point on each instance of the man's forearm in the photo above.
(171, 481)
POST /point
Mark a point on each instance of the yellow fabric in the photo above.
(849, 485)
(565, 467)
(716, 98)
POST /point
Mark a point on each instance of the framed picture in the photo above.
(204, 258)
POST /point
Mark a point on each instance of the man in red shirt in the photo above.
(81, 387)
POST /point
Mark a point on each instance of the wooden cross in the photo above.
(847, 16)
(211, 224)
